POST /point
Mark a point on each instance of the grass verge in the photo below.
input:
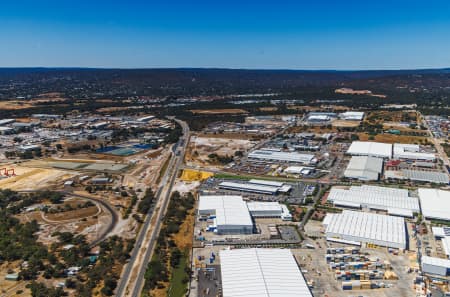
(179, 280)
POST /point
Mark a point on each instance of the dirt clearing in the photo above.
(220, 111)
(200, 147)
(72, 214)
(345, 124)
(14, 105)
(29, 178)
(391, 138)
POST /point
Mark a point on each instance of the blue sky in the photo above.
(230, 34)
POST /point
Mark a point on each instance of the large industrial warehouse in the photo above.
(364, 168)
(418, 175)
(374, 197)
(269, 210)
(261, 273)
(292, 157)
(230, 213)
(377, 229)
(426, 176)
(435, 204)
(352, 115)
(256, 186)
(372, 149)
(411, 152)
(436, 266)
(388, 151)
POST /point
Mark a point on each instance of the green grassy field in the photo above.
(249, 177)
(177, 287)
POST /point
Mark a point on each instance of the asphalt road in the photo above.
(132, 286)
(111, 210)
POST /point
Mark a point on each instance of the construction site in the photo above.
(20, 177)
(202, 150)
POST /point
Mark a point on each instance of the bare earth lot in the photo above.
(219, 111)
(200, 147)
(32, 178)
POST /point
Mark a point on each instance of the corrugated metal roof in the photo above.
(400, 212)
(266, 182)
(368, 148)
(441, 231)
(368, 227)
(282, 156)
(411, 151)
(352, 115)
(249, 187)
(436, 261)
(229, 210)
(446, 245)
(426, 176)
(375, 197)
(347, 204)
(264, 206)
(435, 203)
(261, 273)
(364, 167)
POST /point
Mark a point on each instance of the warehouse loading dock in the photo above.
(395, 201)
(256, 186)
(369, 228)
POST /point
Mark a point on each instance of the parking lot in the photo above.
(289, 233)
(297, 195)
(208, 281)
(438, 125)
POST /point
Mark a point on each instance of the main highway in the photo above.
(132, 279)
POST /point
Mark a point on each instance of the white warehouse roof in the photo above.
(426, 176)
(264, 206)
(282, 156)
(266, 182)
(6, 121)
(364, 168)
(400, 212)
(146, 118)
(298, 170)
(247, 187)
(261, 273)
(352, 115)
(435, 265)
(446, 245)
(435, 203)
(411, 151)
(436, 261)
(269, 209)
(365, 227)
(368, 148)
(440, 232)
(374, 197)
(319, 117)
(229, 210)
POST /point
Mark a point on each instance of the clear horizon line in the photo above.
(229, 68)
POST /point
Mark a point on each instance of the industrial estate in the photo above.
(119, 193)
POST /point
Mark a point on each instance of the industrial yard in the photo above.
(328, 202)
(361, 240)
(300, 194)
